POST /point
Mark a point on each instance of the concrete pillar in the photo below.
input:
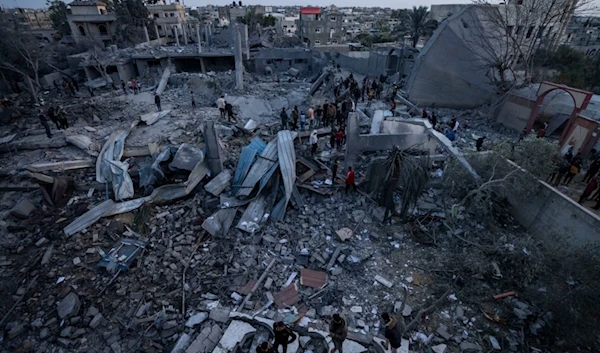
(176, 35)
(202, 66)
(146, 33)
(246, 43)
(206, 35)
(156, 30)
(239, 65)
(198, 39)
(184, 35)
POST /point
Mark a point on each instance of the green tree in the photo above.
(415, 23)
(58, 15)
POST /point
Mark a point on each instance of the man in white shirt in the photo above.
(221, 106)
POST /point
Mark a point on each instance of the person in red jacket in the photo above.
(589, 189)
(350, 180)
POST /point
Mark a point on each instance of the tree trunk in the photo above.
(31, 89)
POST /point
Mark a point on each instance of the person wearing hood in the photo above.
(314, 142)
(392, 333)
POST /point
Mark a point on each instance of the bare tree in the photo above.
(507, 37)
(97, 57)
(20, 53)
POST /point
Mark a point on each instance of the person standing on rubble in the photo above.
(318, 116)
(433, 120)
(221, 106)
(52, 117)
(283, 336)
(592, 170)
(326, 113)
(311, 117)
(134, 86)
(284, 119)
(229, 110)
(44, 122)
(334, 170)
(340, 137)
(295, 116)
(193, 99)
(338, 332)
(589, 189)
(302, 120)
(157, 101)
(61, 116)
(573, 171)
(314, 142)
(331, 113)
(391, 333)
(124, 87)
(350, 180)
(332, 137)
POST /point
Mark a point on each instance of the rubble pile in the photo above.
(193, 232)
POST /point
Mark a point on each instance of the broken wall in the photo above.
(365, 63)
(514, 113)
(280, 59)
(405, 136)
(450, 71)
(546, 211)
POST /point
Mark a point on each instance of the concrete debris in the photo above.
(68, 306)
(23, 209)
(151, 118)
(383, 281)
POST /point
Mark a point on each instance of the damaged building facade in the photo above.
(90, 21)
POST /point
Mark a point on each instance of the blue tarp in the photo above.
(247, 157)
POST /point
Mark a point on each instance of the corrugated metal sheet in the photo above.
(218, 183)
(88, 218)
(256, 146)
(220, 222)
(264, 162)
(168, 193)
(287, 160)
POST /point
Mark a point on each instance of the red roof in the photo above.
(310, 10)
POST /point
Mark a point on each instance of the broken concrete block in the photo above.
(96, 321)
(442, 331)
(16, 331)
(440, 348)
(69, 306)
(268, 283)
(182, 343)
(494, 342)
(219, 315)
(293, 72)
(470, 347)
(326, 310)
(383, 281)
(196, 319)
(41, 242)
(356, 309)
(23, 209)
(76, 261)
(303, 340)
(344, 233)
(313, 279)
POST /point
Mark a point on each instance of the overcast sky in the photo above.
(345, 3)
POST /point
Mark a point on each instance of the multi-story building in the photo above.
(90, 20)
(288, 25)
(170, 20)
(583, 34)
(319, 28)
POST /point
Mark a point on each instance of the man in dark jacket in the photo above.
(44, 122)
(392, 334)
(284, 119)
(338, 332)
(283, 336)
(592, 170)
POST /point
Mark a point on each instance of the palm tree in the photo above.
(414, 23)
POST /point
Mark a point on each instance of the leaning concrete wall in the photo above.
(447, 72)
(514, 113)
(374, 64)
(547, 211)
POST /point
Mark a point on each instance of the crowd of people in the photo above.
(568, 167)
(338, 331)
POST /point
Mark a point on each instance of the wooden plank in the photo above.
(302, 178)
(60, 166)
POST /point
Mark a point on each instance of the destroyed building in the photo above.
(90, 19)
